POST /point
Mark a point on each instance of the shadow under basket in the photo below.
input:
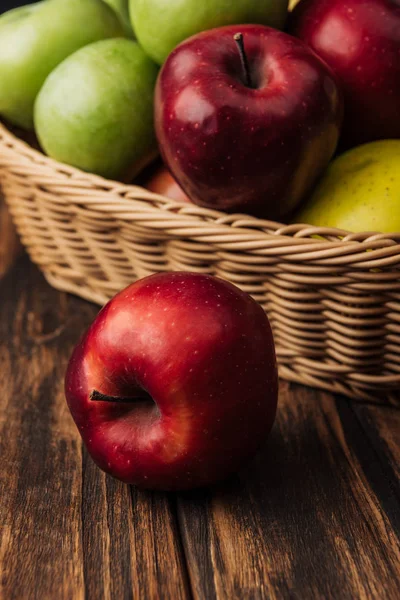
(333, 297)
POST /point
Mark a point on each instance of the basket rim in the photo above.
(130, 197)
(89, 235)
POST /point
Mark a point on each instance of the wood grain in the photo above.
(315, 515)
(67, 530)
(41, 478)
(382, 426)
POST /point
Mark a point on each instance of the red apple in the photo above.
(164, 184)
(174, 385)
(247, 129)
(360, 40)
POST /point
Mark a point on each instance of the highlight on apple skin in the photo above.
(360, 41)
(359, 191)
(74, 129)
(174, 385)
(251, 130)
(34, 39)
(160, 25)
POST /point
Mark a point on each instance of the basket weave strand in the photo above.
(333, 297)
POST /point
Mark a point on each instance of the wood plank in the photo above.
(41, 475)
(382, 426)
(67, 530)
(314, 516)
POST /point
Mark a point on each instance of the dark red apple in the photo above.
(360, 40)
(164, 184)
(174, 385)
(247, 129)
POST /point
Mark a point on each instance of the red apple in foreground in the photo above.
(174, 385)
(360, 40)
(164, 184)
(247, 122)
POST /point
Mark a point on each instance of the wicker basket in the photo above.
(333, 298)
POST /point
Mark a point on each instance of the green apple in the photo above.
(35, 39)
(121, 7)
(160, 25)
(95, 110)
(360, 191)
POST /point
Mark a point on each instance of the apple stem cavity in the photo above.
(96, 396)
(238, 37)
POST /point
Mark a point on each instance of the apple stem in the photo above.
(96, 396)
(238, 37)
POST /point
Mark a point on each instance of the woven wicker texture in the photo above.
(333, 298)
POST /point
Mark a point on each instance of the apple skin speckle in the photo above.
(199, 401)
(360, 191)
(361, 44)
(224, 142)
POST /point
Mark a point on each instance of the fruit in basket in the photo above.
(35, 39)
(174, 385)
(247, 132)
(121, 7)
(360, 191)
(360, 40)
(160, 26)
(95, 109)
(162, 182)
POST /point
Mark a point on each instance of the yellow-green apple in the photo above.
(174, 385)
(360, 40)
(160, 25)
(95, 110)
(360, 191)
(35, 39)
(247, 118)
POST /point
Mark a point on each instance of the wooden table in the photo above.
(316, 515)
